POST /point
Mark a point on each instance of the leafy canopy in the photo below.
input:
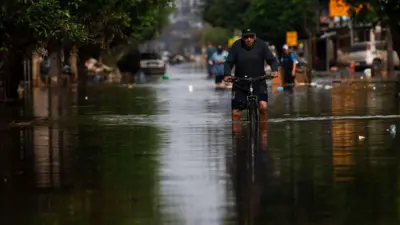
(271, 19)
(82, 21)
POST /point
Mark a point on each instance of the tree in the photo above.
(225, 13)
(216, 35)
(89, 25)
(384, 12)
(270, 19)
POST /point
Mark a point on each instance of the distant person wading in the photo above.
(288, 64)
(208, 54)
(217, 62)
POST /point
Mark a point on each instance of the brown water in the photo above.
(158, 154)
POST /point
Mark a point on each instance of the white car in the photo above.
(152, 63)
(367, 55)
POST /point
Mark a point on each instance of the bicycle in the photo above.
(253, 111)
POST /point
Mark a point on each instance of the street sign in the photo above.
(291, 38)
(338, 8)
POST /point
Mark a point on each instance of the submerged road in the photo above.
(159, 154)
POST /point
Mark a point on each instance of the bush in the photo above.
(216, 35)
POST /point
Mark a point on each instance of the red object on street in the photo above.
(352, 67)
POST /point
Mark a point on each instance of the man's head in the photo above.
(209, 43)
(248, 36)
(285, 48)
(219, 49)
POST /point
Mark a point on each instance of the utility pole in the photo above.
(351, 31)
(389, 40)
(308, 48)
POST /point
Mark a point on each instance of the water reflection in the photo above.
(86, 174)
(253, 172)
(158, 154)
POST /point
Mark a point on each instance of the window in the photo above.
(358, 48)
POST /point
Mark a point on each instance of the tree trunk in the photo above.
(395, 33)
(54, 48)
(14, 73)
(35, 69)
(73, 62)
(389, 40)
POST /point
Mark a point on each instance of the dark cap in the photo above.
(248, 31)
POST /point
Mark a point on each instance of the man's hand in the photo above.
(293, 73)
(228, 78)
(275, 74)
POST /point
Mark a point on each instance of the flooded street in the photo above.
(159, 154)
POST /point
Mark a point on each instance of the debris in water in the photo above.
(392, 130)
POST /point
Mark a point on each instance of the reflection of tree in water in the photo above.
(113, 99)
(112, 172)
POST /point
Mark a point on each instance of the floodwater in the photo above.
(159, 154)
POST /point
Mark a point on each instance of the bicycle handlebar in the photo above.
(252, 80)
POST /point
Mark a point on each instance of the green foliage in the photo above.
(269, 18)
(149, 22)
(216, 35)
(82, 21)
(376, 11)
(225, 13)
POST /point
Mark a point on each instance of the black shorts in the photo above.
(219, 79)
(239, 98)
(288, 78)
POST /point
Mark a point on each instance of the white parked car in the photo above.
(368, 55)
(152, 63)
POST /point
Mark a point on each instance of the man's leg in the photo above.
(263, 104)
(287, 77)
(218, 81)
(227, 84)
(209, 70)
(237, 107)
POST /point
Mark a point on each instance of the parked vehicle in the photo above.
(152, 63)
(369, 55)
(176, 59)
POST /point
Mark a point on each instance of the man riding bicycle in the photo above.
(248, 55)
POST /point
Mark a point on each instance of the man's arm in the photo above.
(294, 60)
(211, 61)
(271, 59)
(205, 53)
(230, 61)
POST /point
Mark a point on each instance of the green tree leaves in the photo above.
(270, 19)
(83, 21)
(216, 35)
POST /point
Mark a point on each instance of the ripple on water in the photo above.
(215, 118)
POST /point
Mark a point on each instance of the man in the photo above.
(248, 55)
(208, 54)
(289, 63)
(217, 61)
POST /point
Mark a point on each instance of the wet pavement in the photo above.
(159, 154)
